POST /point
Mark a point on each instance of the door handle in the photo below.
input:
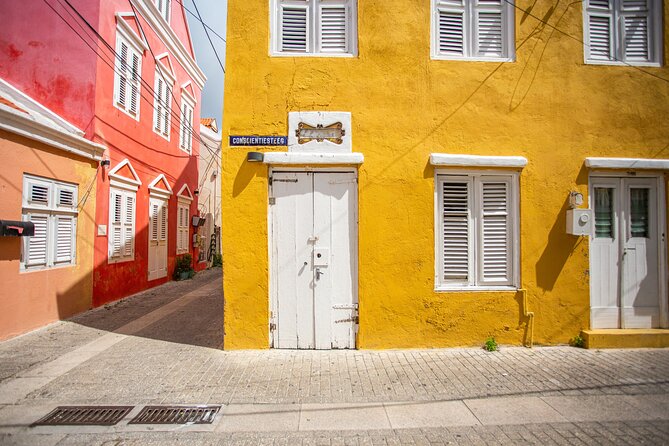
(319, 273)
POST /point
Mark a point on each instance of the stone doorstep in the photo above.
(626, 338)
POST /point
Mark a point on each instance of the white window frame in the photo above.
(165, 9)
(312, 28)
(125, 193)
(655, 39)
(469, 7)
(183, 217)
(123, 37)
(52, 211)
(186, 129)
(474, 282)
(162, 106)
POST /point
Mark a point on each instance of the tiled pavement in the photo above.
(161, 347)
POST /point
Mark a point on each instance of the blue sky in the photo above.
(214, 14)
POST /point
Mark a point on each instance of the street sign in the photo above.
(257, 141)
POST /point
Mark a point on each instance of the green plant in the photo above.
(183, 268)
(490, 344)
(218, 260)
(577, 341)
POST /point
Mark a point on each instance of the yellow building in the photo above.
(455, 170)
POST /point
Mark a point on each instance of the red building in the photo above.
(124, 71)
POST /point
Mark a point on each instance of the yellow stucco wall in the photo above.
(31, 299)
(547, 106)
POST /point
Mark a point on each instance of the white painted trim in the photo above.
(41, 124)
(137, 41)
(120, 180)
(185, 197)
(627, 163)
(151, 14)
(185, 94)
(452, 160)
(312, 158)
(157, 192)
(166, 71)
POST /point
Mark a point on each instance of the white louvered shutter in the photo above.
(154, 221)
(489, 28)
(36, 245)
(450, 22)
(182, 130)
(66, 197)
(129, 225)
(65, 239)
(599, 29)
(334, 27)
(189, 130)
(294, 26)
(158, 105)
(163, 222)
(122, 76)
(134, 78)
(167, 110)
(456, 222)
(636, 30)
(116, 220)
(39, 193)
(495, 245)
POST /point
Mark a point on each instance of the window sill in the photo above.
(135, 117)
(122, 260)
(472, 59)
(476, 289)
(335, 55)
(35, 269)
(620, 63)
(162, 135)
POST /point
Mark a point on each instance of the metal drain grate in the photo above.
(84, 415)
(176, 415)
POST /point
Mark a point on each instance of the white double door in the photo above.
(625, 253)
(157, 238)
(314, 248)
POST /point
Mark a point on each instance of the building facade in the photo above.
(47, 214)
(454, 171)
(210, 189)
(125, 73)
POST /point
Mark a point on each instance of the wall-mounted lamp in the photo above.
(198, 221)
(254, 157)
(105, 163)
(196, 192)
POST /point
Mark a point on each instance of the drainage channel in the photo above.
(111, 415)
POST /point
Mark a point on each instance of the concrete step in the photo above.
(626, 338)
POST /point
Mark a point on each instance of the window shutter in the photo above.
(122, 76)
(495, 230)
(37, 244)
(65, 239)
(39, 194)
(167, 108)
(116, 224)
(334, 28)
(456, 223)
(129, 226)
(636, 30)
(489, 28)
(182, 132)
(158, 111)
(189, 130)
(134, 88)
(451, 29)
(294, 22)
(163, 222)
(154, 222)
(599, 28)
(66, 197)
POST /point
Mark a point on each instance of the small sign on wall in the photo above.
(320, 132)
(257, 141)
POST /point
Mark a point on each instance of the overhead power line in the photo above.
(208, 38)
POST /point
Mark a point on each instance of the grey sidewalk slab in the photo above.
(345, 416)
(654, 406)
(595, 408)
(429, 414)
(514, 410)
(260, 418)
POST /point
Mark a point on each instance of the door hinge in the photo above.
(272, 200)
(272, 326)
(353, 319)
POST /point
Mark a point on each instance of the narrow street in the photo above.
(162, 347)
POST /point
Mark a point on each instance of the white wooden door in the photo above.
(624, 253)
(157, 238)
(314, 259)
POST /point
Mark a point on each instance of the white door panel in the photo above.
(157, 238)
(314, 255)
(624, 256)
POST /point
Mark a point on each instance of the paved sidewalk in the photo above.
(162, 347)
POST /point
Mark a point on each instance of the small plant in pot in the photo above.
(184, 267)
